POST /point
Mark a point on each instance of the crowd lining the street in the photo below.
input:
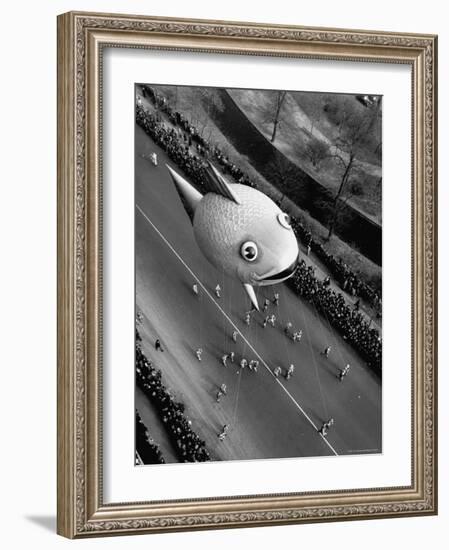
(347, 320)
(189, 446)
(147, 450)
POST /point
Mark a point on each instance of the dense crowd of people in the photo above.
(147, 450)
(345, 277)
(347, 320)
(189, 135)
(175, 147)
(177, 142)
(350, 323)
(189, 446)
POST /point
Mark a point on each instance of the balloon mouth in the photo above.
(282, 275)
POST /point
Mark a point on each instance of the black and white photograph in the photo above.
(258, 274)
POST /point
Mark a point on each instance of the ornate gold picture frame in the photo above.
(82, 40)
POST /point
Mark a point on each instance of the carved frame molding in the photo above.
(81, 39)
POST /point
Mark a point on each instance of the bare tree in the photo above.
(353, 131)
(314, 114)
(316, 151)
(274, 108)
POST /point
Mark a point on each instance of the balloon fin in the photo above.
(219, 185)
(252, 295)
(189, 196)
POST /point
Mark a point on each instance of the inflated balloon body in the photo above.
(240, 231)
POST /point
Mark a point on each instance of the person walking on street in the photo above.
(218, 291)
(243, 363)
(195, 289)
(266, 304)
(221, 391)
(290, 371)
(276, 299)
(231, 356)
(224, 432)
(224, 359)
(326, 351)
(199, 353)
(158, 345)
(277, 371)
(234, 336)
(219, 395)
(344, 372)
(325, 427)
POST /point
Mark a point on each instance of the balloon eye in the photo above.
(249, 251)
(284, 220)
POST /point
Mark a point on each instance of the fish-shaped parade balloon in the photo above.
(240, 231)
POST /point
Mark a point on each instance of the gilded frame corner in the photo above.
(81, 37)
